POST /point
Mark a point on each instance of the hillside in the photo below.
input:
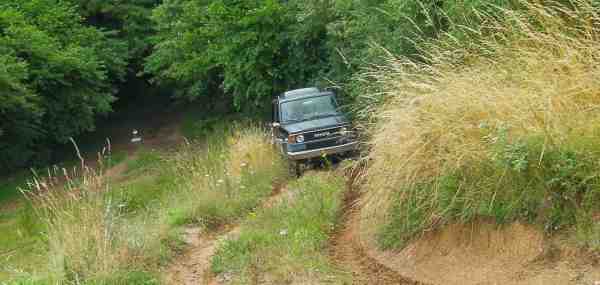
(477, 119)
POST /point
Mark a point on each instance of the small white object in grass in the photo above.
(219, 181)
(135, 136)
(283, 232)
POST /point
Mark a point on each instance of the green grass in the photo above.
(285, 244)
(9, 187)
(21, 244)
(197, 125)
(145, 159)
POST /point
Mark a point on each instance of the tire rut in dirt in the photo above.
(193, 266)
(348, 253)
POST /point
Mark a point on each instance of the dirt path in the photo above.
(193, 266)
(350, 255)
(478, 253)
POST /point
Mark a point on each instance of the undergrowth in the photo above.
(502, 124)
(285, 243)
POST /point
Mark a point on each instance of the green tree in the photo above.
(248, 50)
(54, 78)
(129, 19)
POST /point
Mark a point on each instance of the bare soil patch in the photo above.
(482, 253)
(193, 266)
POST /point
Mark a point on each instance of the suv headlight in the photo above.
(300, 138)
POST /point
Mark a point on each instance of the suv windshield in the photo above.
(308, 108)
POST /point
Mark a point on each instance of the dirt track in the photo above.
(348, 253)
(193, 266)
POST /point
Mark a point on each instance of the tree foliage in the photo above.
(365, 32)
(130, 19)
(61, 61)
(252, 50)
(248, 49)
(54, 76)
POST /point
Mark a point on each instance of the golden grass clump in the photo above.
(526, 73)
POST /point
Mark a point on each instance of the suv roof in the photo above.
(299, 93)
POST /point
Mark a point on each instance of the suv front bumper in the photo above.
(299, 155)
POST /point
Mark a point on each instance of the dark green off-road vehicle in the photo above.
(308, 124)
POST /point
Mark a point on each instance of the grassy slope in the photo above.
(18, 222)
(502, 124)
(210, 184)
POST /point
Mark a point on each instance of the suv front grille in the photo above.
(322, 134)
(322, 144)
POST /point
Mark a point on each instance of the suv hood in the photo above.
(317, 124)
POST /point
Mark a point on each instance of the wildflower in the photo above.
(219, 181)
(283, 232)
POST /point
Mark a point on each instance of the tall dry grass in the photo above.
(88, 237)
(219, 185)
(474, 106)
